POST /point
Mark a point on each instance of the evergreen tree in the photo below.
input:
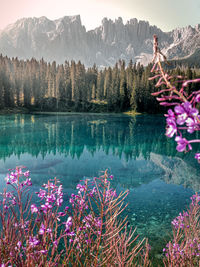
(48, 86)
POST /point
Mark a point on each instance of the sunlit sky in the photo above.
(166, 14)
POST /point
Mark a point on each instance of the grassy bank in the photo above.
(13, 111)
(97, 108)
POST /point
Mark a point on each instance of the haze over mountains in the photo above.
(67, 39)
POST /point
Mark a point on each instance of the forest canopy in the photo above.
(42, 86)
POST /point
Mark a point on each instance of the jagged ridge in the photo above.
(67, 39)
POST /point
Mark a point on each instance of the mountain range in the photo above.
(67, 39)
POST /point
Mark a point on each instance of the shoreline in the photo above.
(8, 111)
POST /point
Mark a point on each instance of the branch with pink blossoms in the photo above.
(185, 114)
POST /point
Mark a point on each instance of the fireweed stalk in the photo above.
(184, 249)
(88, 232)
(185, 114)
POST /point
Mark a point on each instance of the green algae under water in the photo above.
(133, 149)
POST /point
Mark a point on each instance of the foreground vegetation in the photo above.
(90, 231)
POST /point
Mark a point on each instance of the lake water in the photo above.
(134, 149)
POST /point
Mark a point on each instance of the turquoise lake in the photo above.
(133, 149)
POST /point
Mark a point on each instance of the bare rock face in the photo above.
(67, 39)
(185, 41)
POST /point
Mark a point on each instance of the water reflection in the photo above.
(69, 135)
(134, 148)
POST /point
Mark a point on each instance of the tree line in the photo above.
(38, 85)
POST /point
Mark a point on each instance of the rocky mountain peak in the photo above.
(66, 39)
(70, 19)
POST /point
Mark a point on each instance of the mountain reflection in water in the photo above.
(138, 146)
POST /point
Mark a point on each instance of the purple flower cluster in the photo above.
(184, 249)
(175, 250)
(15, 176)
(185, 115)
(93, 222)
(197, 156)
(195, 199)
(33, 241)
(53, 196)
(9, 199)
(182, 114)
(110, 194)
(183, 253)
(44, 230)
(79, 200)
(68, 224)
(34, 208)
(179, 221)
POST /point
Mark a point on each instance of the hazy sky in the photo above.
(166, 14)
